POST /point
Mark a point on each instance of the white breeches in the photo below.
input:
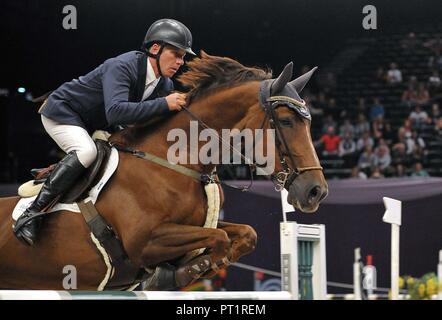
(72, 138)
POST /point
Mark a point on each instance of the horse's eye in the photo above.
(285, 122)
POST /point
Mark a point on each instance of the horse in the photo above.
(157, 213)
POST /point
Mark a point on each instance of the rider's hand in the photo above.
(176, 100)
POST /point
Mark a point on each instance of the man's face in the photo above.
(171, 59)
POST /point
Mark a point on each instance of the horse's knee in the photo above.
(249, 234)
(220, 240)
(246, 240)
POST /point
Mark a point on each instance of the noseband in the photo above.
(283, 179)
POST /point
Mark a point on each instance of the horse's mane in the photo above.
(204, 75)
(211, 72)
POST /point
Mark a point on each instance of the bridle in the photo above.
(283, 179)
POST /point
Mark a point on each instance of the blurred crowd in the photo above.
(362, 135)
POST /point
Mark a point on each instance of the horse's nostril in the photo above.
(314, 192)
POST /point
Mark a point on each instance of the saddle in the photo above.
(124, 274)
(80, 188)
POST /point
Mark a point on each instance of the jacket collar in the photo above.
(141, 76)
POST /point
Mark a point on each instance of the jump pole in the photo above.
(357, 275)
(292, 235)
(393, 215)
(439, 276)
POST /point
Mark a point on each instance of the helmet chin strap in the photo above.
(157, 58)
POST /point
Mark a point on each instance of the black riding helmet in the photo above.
(167, 31)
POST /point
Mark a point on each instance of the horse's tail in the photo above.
(42, 98)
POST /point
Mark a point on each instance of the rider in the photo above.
(127, 89)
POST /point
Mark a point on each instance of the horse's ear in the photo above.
(300, 82)
(282, 79)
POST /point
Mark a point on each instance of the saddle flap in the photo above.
(88, 178)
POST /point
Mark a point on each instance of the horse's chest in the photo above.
(206, 211)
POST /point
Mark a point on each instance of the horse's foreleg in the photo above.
(243, 241)
(169, 241)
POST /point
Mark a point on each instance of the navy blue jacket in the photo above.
(109, 96)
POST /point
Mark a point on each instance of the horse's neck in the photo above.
(235, 107)
(224, 109)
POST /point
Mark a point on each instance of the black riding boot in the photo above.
(59, 181)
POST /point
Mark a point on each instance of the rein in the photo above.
(232, 148)
(282, 179)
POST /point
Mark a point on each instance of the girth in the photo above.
(124, 274)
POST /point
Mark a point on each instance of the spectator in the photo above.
(412, 81)
(347, 150)
(366, 160)
(380, 75)
(383, 159)
(409, 143)
(438, 130)
(365, 141)
(410, 42)
(361, 108)
(361, 126)
(418, 117)
(434, 82)
(423, 95)
(399, 155)
(321, 102)
(435, 62)
(347, 128)
(435, 112)
(347, 146)
(356, 173)
(419, 152)
(378, 127)
(328, 122)
(333, 109)
(330, 142)
(434, 45)
(376, 110)
(406, 127)
(400, 171)
(377, 174)
(405, 141)
(419, 171)
(409, 97)
(313, 110)
(381, 143)
(394, 75)
(328, 82)
(388, 133)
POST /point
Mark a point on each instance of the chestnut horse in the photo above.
(158, 213)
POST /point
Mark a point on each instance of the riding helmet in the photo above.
(169, 31)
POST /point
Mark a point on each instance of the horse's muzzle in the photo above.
(307, 191)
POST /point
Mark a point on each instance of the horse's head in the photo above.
(297, 165)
